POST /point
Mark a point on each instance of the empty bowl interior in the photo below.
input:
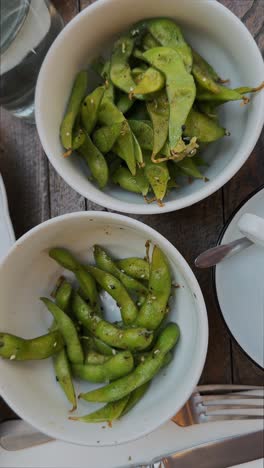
(30, 388)
(212, 30)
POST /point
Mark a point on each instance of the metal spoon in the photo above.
(215, 255)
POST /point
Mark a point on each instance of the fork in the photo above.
(208, 402)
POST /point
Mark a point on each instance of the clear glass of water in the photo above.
(27, 30)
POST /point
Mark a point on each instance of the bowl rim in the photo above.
(108, 201)
(200, 357)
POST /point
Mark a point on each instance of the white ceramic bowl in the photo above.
(27, 273)
(213, 30)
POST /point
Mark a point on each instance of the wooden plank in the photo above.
(250, 176)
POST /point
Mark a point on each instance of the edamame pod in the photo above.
(154, 308)
(143, 373)
(90, 108)
(108, 413)
(124, 147)
(120, 71)
(95, 161)
(144, 133)
(61, 362)
(124, 103)
(168, 34)
(104, 261)
(77, 95)
(189, 168)
(151, 81)
(68, 331)
(159, 112)
(19, 349)
(115, 367)
(135, 397)
(135, 267)
(180, 88)
(87, 283)
(93, 357)
(133, 339)
(137, 183)
(105, 137)
(63, 376)
(157, 175)
(204, 74)
(205, 129)
(115, 288)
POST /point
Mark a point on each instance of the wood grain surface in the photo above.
(36, 192)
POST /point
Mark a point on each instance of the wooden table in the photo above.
(36, 193)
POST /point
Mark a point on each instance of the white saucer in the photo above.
(239, 286)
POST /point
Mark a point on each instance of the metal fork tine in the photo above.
(225, 417)
(223, 406)
(226, 388)
(231, 396)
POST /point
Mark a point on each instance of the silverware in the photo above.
(204, 405)
(221, 403)
(220, 453)
(215, 255)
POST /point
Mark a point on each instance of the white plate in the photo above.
(166, 439)
(239, 286)
(7, 237)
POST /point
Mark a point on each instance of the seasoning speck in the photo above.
(123, 47)
(12, 357)
(55, 344)
(129, 458)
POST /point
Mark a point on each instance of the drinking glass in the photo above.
(27, 30)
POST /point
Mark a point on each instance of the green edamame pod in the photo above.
(205, 129)
(143, 373)
(63, 295)
(102, 347)
(115, 288)
(93, 357)
(137, 151)
(124, 103)
(115, 367)
(109, 114)
(135, 267)
(124, 147)
(151, 81)
(105, 137)
(157, 175)
(209, 108)
(154, 308)
(137, 183)
(159, 112)
(63, 376)
(104, 261)
(87, 283)
(61, 362)
(95, 161)
(180, 88)
(90, 108)
(16, 348)
(108, 413)
(144, 133)
(77, 140)
(77, 95)
(120, 71)
(189, 168)
(68, 331)
(132, 339)
(204, 74)
(227, 94)
(168, 34)
(135, 397)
